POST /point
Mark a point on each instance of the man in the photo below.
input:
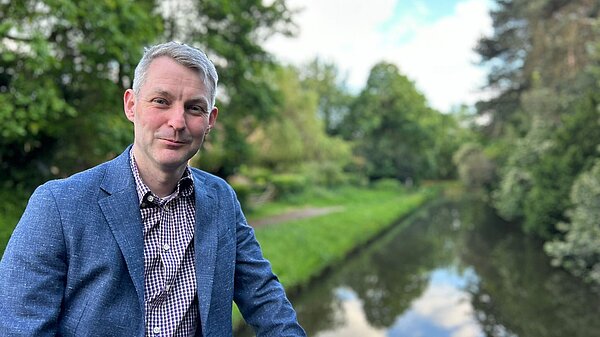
(143, 244)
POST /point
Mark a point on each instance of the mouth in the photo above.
(175, 142)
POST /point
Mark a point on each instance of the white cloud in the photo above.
(449, 308)
(355, 322)
(438, 56)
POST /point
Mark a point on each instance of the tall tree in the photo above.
(545, 104)
(543, 39)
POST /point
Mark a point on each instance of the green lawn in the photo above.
(301, 249)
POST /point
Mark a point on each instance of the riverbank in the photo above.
(301, 250)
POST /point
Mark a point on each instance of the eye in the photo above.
(196, 109)
(160, 101)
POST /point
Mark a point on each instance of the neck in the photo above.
(161, 182)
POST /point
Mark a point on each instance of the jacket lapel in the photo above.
(121, 210)
(205, 244)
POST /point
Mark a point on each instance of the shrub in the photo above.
(288, 183)
(579, 250)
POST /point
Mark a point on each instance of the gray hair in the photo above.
(183, 54)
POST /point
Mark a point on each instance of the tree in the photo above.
(333, 99)
(475, 170)
(385, 124)
(295, 140)
(545, 110)
(63, 69)
(546, 39)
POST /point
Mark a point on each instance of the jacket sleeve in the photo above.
(33, 269)
(258, 293)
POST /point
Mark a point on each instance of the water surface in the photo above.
(452, 270)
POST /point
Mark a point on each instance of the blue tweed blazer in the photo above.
(74, 265)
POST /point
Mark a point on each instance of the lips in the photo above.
(175, 142)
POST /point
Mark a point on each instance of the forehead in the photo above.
(164, 70)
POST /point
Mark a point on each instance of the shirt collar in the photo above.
(185, 186)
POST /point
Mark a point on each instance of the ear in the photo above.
(129, 104)
(212, 118)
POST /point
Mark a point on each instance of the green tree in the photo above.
(544, 114)
(295, 140)
(475, 170)
(63, 69)
(333, 98)
(540, 38)
(385, 123)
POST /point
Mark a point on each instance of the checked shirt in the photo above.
(171, 304)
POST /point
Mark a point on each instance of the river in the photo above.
(453, 269)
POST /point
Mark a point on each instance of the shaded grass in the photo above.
(12, 207)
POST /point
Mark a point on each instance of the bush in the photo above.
(387, 184)
(474, 168)
(288, 183)
(579, 250)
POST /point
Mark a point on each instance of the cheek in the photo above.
(198, 127)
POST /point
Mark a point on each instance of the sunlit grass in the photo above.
(301, 249)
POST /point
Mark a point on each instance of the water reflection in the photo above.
(453, 270)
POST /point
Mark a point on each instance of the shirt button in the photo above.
(156, 329)
(151, 199)
(166, 246)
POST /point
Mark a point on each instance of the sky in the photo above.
(431, 41)
(442, 310)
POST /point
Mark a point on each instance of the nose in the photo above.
(177, 117)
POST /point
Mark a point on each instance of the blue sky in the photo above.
(431, 41)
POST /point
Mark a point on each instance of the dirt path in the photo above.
(295, 215)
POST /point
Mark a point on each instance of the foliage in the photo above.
(385, 121)
(544, 38)
(572, 150)
(579, 251)
(13, 203)
(334, 101)
(294, 142)
(510, 195)
(62, 72)
(475, 170)
(232, 32)
(544, 68)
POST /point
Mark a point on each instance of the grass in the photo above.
(300, 250)
(12, 207)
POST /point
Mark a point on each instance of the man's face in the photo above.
(170, 115)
